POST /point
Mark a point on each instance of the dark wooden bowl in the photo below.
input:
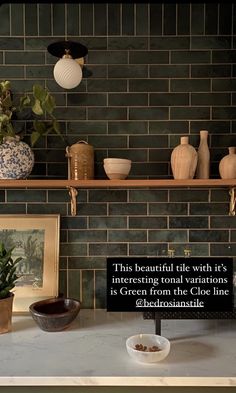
(56, 314)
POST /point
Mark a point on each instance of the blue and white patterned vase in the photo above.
(16, 159)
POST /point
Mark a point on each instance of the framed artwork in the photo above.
(35, 238)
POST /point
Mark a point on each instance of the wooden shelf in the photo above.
(129, 183)
(73, 185)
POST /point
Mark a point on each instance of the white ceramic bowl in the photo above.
(117, 168)
(148, 340)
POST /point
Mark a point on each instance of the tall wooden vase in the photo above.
(184, 160)
(203, 162)
(227, 166)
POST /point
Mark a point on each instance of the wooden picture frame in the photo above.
(35, 238)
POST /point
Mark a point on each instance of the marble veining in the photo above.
(92, 352)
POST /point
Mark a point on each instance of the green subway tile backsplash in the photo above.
(153, 73)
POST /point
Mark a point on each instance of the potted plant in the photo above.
(8, 277)
(17, 158)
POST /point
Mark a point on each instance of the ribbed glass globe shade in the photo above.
(67, 73)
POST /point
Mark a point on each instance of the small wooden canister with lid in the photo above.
(80, 161)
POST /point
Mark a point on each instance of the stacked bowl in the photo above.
(116, 168)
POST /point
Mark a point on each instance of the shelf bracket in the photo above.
(232, 201)
(73, 200)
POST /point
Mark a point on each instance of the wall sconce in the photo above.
(67, 71)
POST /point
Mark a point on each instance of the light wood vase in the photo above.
(184, 160)
(203, 161)
(227, 166)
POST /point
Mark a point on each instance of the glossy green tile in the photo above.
(197, 19)
(26, 195)
(5, 19)
(127, 71)
(150, 250)
(169, 99)
(100, 289)
(169, 16)
(24, 57)
(150, 113)
(63, 283)
(113, 19)
(127, 11)
(148, 140)
(2, 196)
(17, 26)
(86, 19)
(94, 209)
(127, 43)
(183, 19)
(169, 71)
(188, 195)
(212, 71)
(103, 85)
(44, 16)
(107, 113)
(108, 141)
(58, 19)
(106, 249)
(107, 195)
(12, 208)
(87, 262)
(211, 18)
(128, 99)
(167, 236)
(74, 284)
(107, 57)
(170, 43)
(87, 289)
(148, 195)
(167, 208)
(100, 19)
(73, 249)
(128, 127)
(190, 56)
(107, 222)
(85, 236)
(31, 19)
(148, 85)
(127, 236)
(43, 71)
(191, 113)
(73, 23)
(50, 208)
(11, 71)
(208, 236)
(188, 222)
(168, 127)
(155, 19)
(211, 42)
(148, 222)
(223, 249)
(121, 209)
(225, 18)
(142, 25)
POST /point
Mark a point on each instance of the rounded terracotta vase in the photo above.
(184, 160)
(227, 166)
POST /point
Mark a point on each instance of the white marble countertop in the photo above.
(92, 352)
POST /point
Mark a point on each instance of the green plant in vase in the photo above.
(17, 158)
(8, 278)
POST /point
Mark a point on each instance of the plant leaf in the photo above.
(34, 137)
(24, 101)
(39, 92)
(37, 108)
(49, 103)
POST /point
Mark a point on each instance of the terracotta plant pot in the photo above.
(6, 313)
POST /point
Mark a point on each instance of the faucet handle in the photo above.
(171, 252)
(187, 252)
